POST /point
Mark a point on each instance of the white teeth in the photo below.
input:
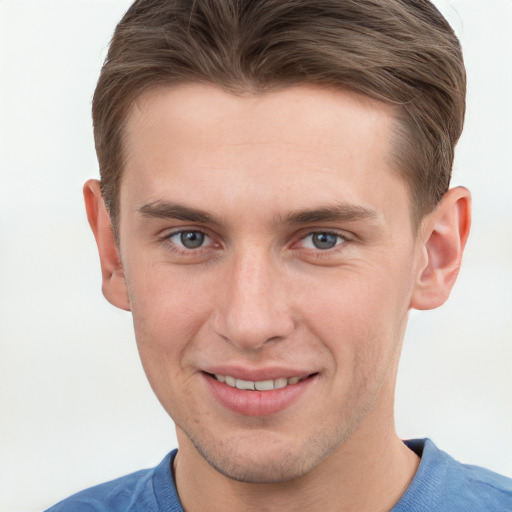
(280, 383)
(264, 385)
(261, 385)
(244, 384)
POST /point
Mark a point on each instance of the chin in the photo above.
(265, 460)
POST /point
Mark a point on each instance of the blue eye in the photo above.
(322, 240)
(189, 239)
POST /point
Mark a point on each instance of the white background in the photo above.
(75, 407)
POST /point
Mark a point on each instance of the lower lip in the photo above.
(256, 403)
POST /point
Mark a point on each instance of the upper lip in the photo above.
(257, 374)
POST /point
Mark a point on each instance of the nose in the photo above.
(253, 305)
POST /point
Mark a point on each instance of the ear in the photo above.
(114, 285)
(443, 237)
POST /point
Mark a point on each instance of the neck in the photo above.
(367, 473)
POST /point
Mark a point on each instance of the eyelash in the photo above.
(341, 241)
(184, 251)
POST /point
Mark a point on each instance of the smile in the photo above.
(260, 385)
(258, 397)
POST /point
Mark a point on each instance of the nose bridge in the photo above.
(254, 308)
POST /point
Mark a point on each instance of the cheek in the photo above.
(168, 309)
(167, 317)
(360, 316)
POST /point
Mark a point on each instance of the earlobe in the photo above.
(114, 285)
(443, 237)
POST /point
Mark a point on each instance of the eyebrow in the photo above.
(168, 210)
(342, 212)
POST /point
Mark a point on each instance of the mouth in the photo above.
(259, 385)
(259, 398)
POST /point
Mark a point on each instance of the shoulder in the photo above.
(494, 491)
(443, 484)
(116, 495)
(147, 490)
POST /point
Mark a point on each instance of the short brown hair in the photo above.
(402, 52)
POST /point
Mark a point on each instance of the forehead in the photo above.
(327, 116)
(285, 148)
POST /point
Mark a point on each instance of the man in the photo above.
(274, 199)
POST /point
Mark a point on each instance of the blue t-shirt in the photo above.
(441, 484)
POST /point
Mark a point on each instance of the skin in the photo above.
(259, 177)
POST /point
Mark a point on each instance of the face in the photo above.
(269, 259)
